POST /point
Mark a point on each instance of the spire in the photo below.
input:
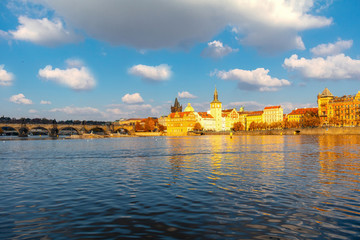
(177, 107)
(176, 104)
(216, 95)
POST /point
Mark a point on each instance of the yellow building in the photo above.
(343, 110)
(230, 117)
(323, 100)
(297, 114)
(180, 123)
(216, 111)
(273, 114)
(256, 117)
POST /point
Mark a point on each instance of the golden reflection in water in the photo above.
(339, 158)
(269, 152)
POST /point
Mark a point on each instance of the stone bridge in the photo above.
(54, 129)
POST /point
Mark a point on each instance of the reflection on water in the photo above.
(212, 187)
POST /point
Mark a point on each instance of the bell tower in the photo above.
(216, 111)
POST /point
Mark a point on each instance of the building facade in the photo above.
(297, 114)
(180, 123)
(335, 110)
(273, 114)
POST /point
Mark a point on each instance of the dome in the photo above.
(189, 108)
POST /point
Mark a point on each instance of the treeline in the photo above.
(49, 121)
(308, 120)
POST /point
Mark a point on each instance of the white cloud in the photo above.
(43, 32)
(216, 49)
(45, 102)
(257, 79)
(20, 99)
(288, 106)
(76, 78)
(33, 111)
(132, 98)
(271, 25)
(332, 48)
(134, 110)
(186, 95)
(329, 68)
(248, 105)
(154, 73)
(6, 78)
(77, 110)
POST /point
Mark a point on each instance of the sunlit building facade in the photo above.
(343, 110)
(297, 114)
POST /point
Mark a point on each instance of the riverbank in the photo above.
(298, 131)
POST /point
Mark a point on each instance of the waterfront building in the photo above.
(207, 121)
(335, 110)
(230, 116)
(177, 107)
(216, 111)
(323, 100)
(180, 123)
(297, 114)
(253, 117)
(273, 114)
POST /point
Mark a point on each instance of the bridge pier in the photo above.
(54, 132)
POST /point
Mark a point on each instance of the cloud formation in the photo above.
(152, 73)
(76, 78)
(43, 32)
(331, 48)
(45, 102)
(20, 99)
(216, 49)
(186, 95)
(132, 98)
(6, 78)
(330, 68)
(257, 79)
(160, 24)
(77, 110)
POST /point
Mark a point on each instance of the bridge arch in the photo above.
(97, 130)
(6, 129)
(33, 129)
(68, 128)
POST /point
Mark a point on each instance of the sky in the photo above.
(113, 59)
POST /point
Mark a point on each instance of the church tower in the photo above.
(216, 111)
(177, 107)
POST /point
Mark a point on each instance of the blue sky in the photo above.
(112, 59)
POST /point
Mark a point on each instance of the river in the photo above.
(206, 187)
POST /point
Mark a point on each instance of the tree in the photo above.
(238, 127)
(149, 125)
(162, 128)
(310, 119)
(138, 127)
(198, 127)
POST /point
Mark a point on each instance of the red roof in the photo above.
(272, 107)
(300, 111)
(181, 114)
(205, 115)
(255, 113)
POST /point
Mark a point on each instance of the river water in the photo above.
(207, 187)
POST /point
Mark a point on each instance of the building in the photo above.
(273, 114)
(216, 112)
(253, 117)
(180, 123)
(323, 100)
(177, 107)
(230, 116)
(297, 114)
(343, 110)
(207, 121)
